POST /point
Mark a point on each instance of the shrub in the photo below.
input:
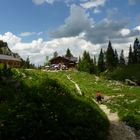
(132, 120)
(5, 70)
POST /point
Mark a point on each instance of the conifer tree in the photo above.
(116, 58)
(136, 53)
(86, 63)
(101, 63)
(122, 60)
(110, 57)
(130, 56)
(68, 53)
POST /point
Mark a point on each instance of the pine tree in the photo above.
(116, 58)
(68, 53)
(101, 63)
(130, 56)
(86, 63)
(122, 60)
(136, 53)
(110, 57)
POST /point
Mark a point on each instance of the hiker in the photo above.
(99, 96)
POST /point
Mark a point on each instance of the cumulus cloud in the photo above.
(38, 49)
(137, 28)
(10, 38)
(125, 32)
(99, 33)
(76, 23)
(80, 22)
(105, 30)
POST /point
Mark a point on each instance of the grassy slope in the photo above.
(127, 105)
(43, 106)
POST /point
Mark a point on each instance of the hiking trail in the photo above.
(118, 130)
(76, 85)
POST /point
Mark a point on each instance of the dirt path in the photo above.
(117, 130)
(77, 87)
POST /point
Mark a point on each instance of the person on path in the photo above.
(99, 97)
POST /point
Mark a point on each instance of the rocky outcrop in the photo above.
(4, 49)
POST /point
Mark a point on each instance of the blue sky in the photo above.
(37, 28)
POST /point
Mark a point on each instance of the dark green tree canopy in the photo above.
(116, 57)
(110, 57)
(86, 63)
(68, 53)
(130, 56)
(122, 60)
(101, 63)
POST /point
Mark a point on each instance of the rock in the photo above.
(130, 82)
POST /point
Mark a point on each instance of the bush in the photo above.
(5, 70)
(132, 120)
(128, 72)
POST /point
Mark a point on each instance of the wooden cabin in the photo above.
(10, 60)
(65, 61)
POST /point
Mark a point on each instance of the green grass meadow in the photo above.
(124, 99)
(39, 105)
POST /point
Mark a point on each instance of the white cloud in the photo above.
(125, 32)
(24, 34)
(93, 4)
(137, 28)
(39, 2)
(10, 38)
(76, 23)
(38, 49)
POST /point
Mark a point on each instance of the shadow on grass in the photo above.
(45, 109)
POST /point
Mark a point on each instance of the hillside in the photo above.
(118, 97)
(48, 104)
(34, 105)
(4, 49)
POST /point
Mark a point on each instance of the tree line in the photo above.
(109, 59)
